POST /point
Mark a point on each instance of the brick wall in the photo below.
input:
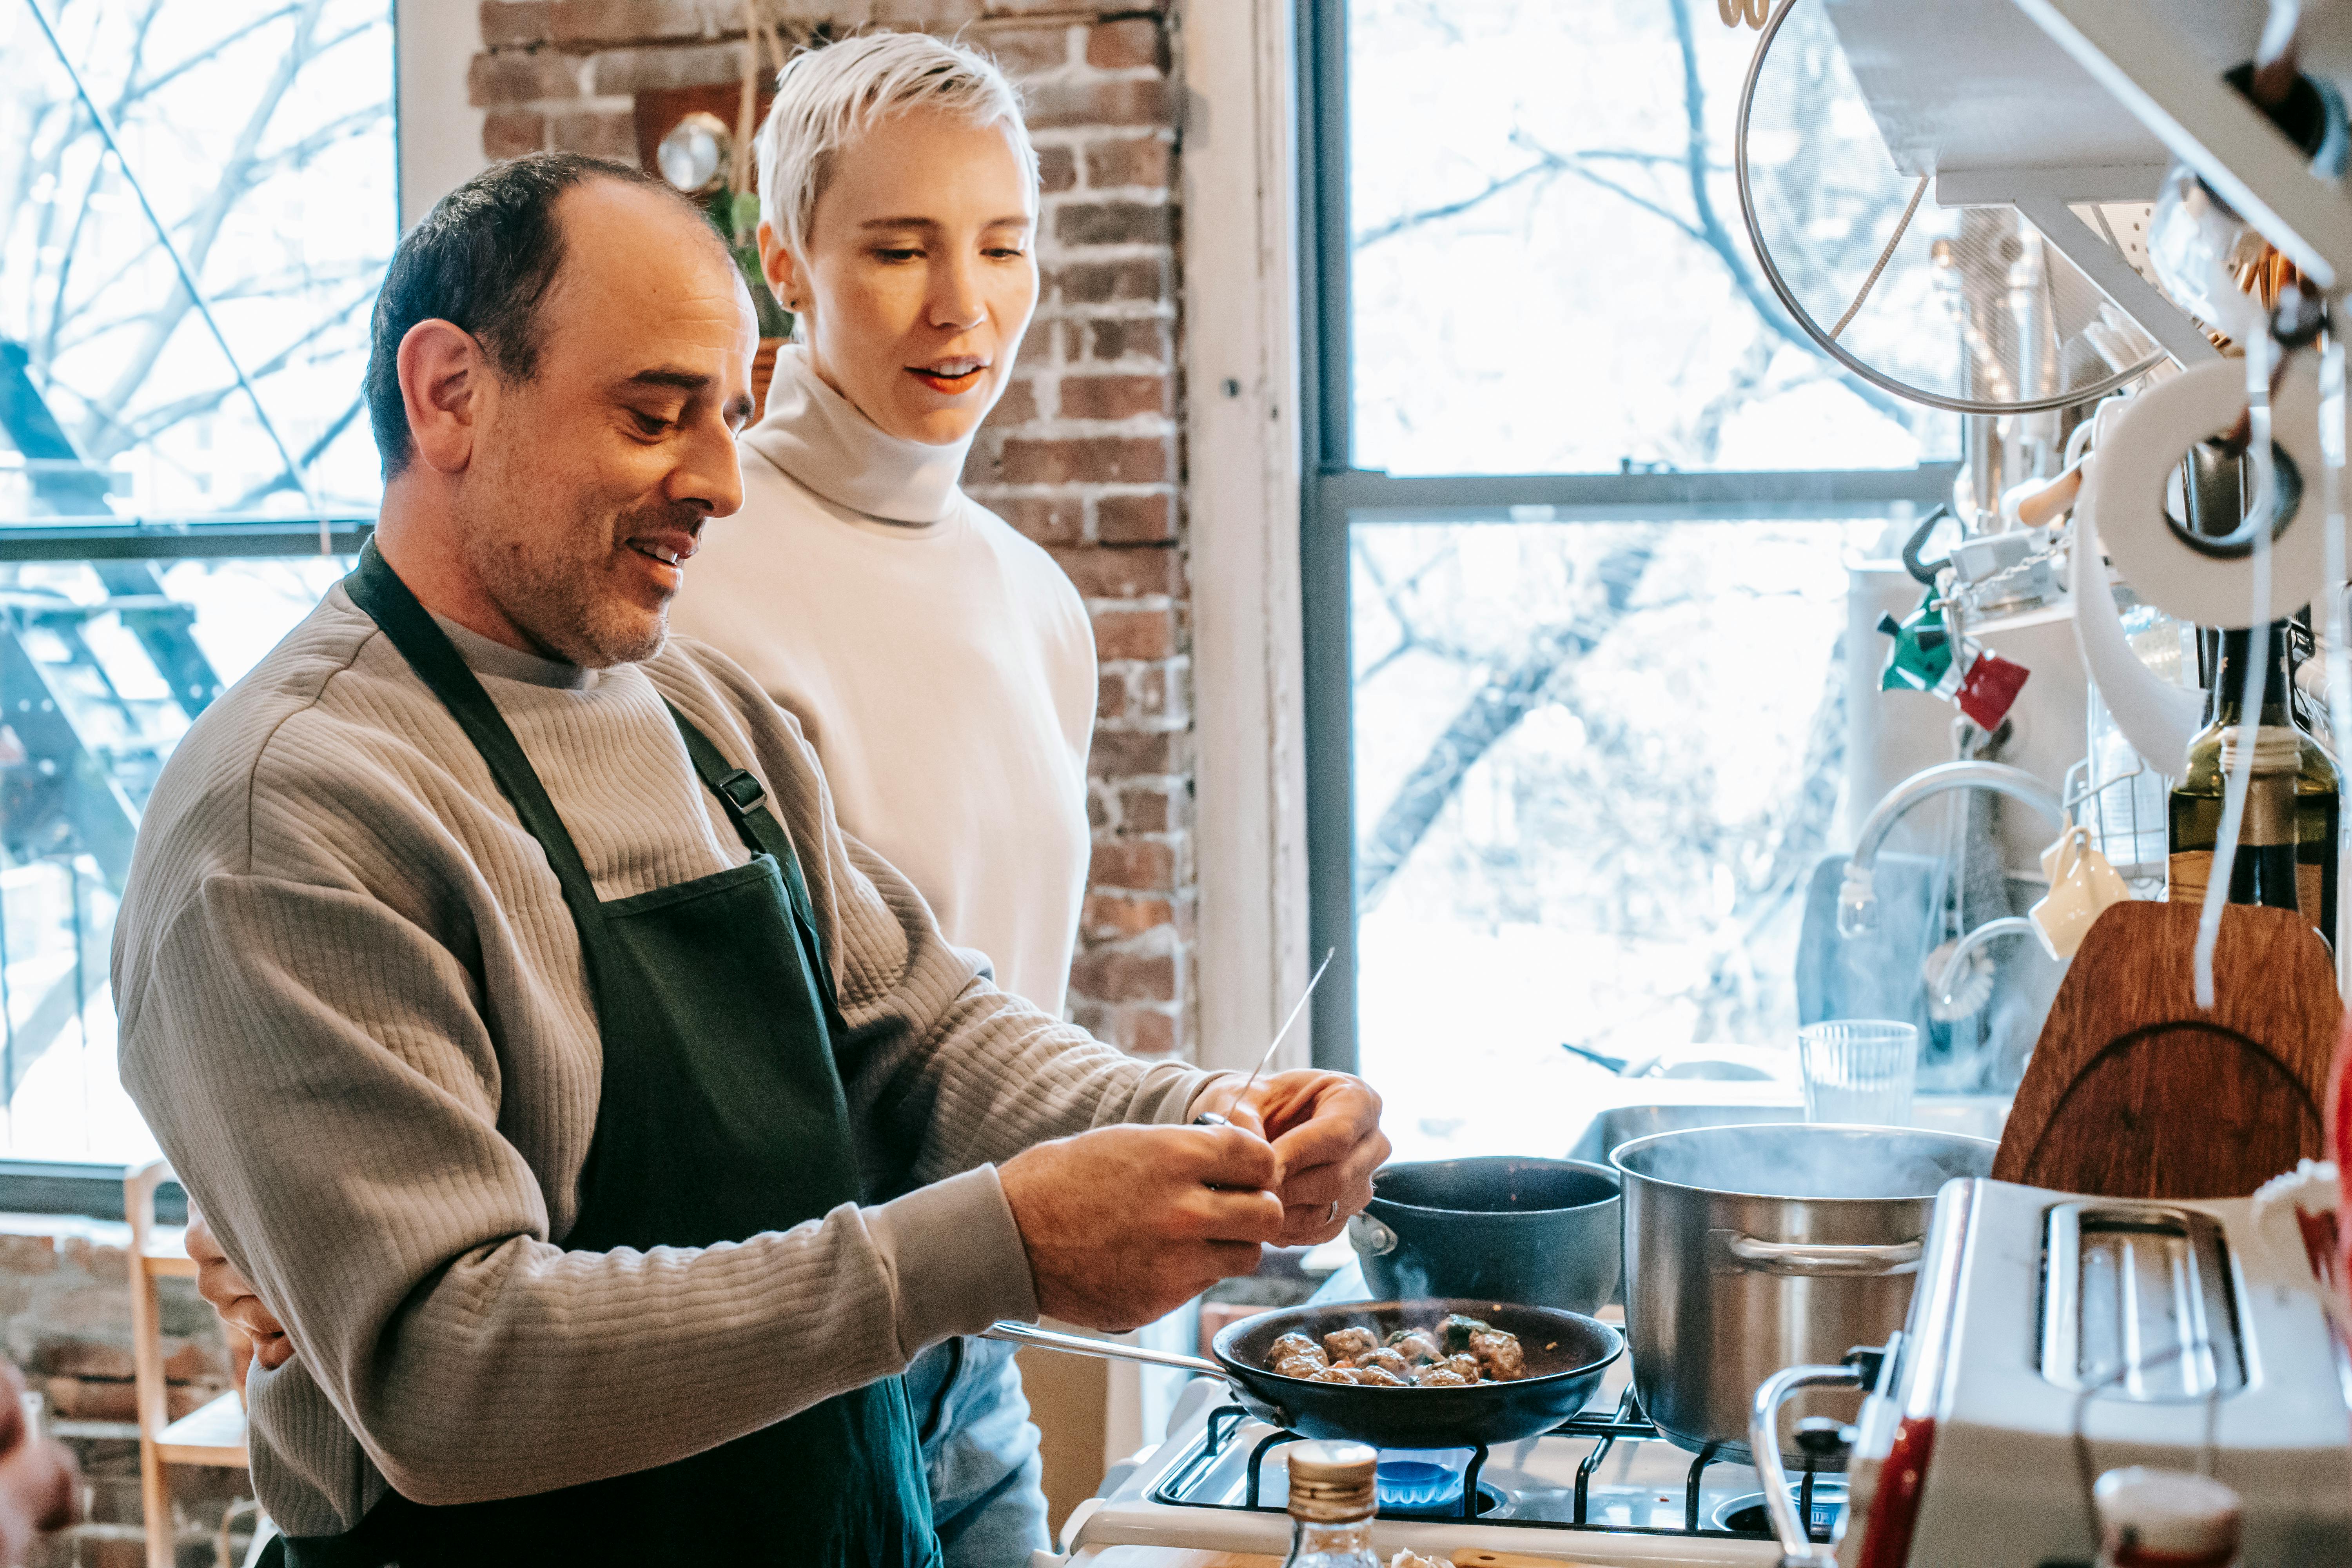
(65, 1317)
(1082, 455)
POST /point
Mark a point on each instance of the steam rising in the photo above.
(1797, 1161)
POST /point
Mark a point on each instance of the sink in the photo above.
(1975, 1115)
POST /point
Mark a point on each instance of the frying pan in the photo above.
(1567, 1353)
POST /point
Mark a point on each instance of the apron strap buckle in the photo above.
(742, 788)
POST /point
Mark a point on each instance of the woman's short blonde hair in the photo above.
(828, 94)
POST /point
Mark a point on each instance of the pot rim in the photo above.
(1616, 1158)
(1589, 1167)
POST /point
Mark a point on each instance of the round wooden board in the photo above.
(2133, 1092)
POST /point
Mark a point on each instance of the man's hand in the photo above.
(36, 1476)
(262, 1336)
(1326, 1128)
(1124, 1224)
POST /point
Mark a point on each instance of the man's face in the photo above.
(920, 277)
(590, 483)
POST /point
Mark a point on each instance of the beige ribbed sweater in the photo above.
(353, 1012)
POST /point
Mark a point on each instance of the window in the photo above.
(197, 199)
(1582, 508)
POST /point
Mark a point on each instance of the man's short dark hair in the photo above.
(482, 259)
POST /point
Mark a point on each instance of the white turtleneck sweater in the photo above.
(942, 666)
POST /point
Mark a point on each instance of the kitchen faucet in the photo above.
(1858, 895)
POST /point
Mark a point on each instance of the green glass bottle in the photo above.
(2286, 845)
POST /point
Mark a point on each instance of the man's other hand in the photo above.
(36, 1476)
(1325, 1129)
(1124, 1224)
(254, 1333)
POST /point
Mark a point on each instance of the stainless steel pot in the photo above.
(1748, 1249)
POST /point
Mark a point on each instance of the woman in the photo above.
(942, 664)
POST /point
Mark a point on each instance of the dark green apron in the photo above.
(721, 1116)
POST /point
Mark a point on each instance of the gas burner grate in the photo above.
(1626, 1424)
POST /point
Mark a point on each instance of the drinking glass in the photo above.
(1859, 1070)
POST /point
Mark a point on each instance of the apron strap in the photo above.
(745, 799)
(744, 796)
(378, 590)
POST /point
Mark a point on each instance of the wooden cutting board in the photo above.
(2133, 1092)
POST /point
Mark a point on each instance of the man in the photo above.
(518, 925)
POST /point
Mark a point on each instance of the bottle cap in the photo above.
(2278, 749)
(2170, 1517)
(1331, 1483)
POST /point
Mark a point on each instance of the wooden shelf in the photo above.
(166, 1255)
(212, 1434)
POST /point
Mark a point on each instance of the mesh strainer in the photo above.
(1966, 309)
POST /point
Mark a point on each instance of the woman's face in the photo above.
(920, 277)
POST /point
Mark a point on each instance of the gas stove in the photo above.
(1604, 1488)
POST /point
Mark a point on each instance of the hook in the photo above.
(1924, 571)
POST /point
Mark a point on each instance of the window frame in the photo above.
(1336, 495)
(93, 1190)
(89, 1189)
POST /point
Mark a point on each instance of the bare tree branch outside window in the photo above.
(1596, 764)
(272, 176)
(260, 133)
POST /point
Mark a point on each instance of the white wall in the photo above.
(440, 132)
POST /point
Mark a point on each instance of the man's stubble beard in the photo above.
(541, 571)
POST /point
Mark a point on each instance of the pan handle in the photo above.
(1107, 1350)
(1764, 1445)
(1843, 1262)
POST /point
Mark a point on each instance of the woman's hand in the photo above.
(255, 1333)
(1326, 1131)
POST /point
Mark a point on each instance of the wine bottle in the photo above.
(2286, 843)
(1332, 1505)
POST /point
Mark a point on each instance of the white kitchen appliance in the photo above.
(2054, 1337)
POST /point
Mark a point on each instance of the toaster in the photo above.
(2054, 1336)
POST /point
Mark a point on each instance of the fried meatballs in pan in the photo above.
(1454, 1354)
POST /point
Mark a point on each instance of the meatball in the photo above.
(1456, 1330)
(1441, 1377)
(1378, 1377)
(1347, 1344)
(1465, 1366)
(1500, 1355)
(1388, 1361)
(1297, 1347)
(1299, 1366)
(1416, 1345)
(1331, 1374)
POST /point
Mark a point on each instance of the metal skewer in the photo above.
(1210, 1117)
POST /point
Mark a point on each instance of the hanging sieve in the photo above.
(1966, 309)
